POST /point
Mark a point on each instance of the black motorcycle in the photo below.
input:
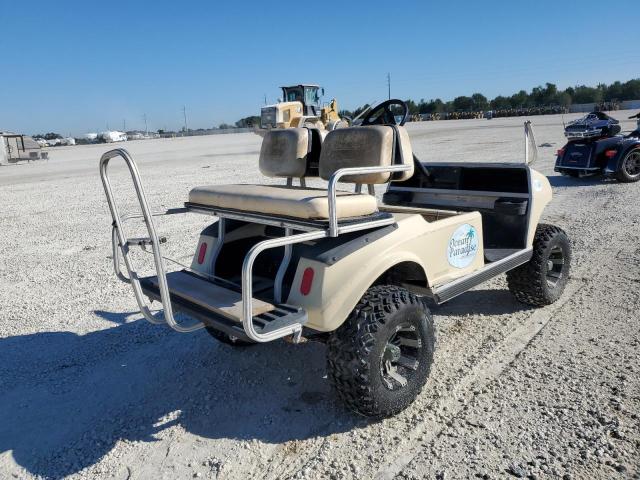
(596, 147)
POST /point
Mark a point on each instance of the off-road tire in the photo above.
(355, 351)
(622, 175)
(529, 282)
(225, 338)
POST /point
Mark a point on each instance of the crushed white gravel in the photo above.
(88, 389)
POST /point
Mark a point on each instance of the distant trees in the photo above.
(584, 94)
(354, 113)
(432, 106)
(520, 99)
(631, 90)
(475, 103)
(248, 122)
(500, 103)
(413, 107)
(48, 136)
(540, 96)
(547, 95)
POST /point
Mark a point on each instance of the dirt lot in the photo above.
(89, 389)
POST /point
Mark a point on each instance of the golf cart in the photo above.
(595, 147)
(328, 264)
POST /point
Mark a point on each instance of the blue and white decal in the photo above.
(463, 246)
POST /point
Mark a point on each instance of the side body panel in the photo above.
(337, 288)
(540, 195)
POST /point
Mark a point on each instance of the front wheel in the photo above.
(629, 170)
(380, 358)
(542, 279)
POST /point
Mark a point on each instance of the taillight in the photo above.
(560, 152)
(611, 153)
(202, 252)
(307, 281)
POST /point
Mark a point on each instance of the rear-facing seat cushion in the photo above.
(297, 202)
(284, 152)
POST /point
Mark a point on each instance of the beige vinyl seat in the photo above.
(287, 153)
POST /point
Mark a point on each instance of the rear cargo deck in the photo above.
(221, 307)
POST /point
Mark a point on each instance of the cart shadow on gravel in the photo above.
(67, 399)
(481, 302)
(563, 181)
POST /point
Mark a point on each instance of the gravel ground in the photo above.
(89, 389)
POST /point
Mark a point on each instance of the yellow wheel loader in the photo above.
(301, 107)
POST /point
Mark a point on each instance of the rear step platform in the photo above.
(220, 307)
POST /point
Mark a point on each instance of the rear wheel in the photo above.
(228, 339)
(629, 170)
(380, 358)
(542, 279)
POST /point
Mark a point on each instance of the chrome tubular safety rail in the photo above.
(119, 237)
(333, 183)
(247, 285)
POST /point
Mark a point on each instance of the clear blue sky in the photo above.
(74, 67)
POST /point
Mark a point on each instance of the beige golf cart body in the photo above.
(282, 258)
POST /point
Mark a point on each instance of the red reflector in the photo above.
(611, 153)
(307, 281)
(560, 152)
(202, 252)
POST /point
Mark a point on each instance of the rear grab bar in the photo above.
(121, 243)
(153, 241)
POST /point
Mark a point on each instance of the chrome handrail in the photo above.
(118, 234)
(247, 285)
(333, 181)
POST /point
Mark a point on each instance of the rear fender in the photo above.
(329, 303)
(337, 288)
(541, 195)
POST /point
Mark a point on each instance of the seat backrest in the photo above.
(290, 152)
(371, 146)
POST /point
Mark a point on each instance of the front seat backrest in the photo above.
(370, 146)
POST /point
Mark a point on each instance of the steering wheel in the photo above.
(382, 114)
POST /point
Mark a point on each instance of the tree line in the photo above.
(541, 96)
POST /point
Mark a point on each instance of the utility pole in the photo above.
(184, 112)
(389, 84)
(146, 129)
(124, 125)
